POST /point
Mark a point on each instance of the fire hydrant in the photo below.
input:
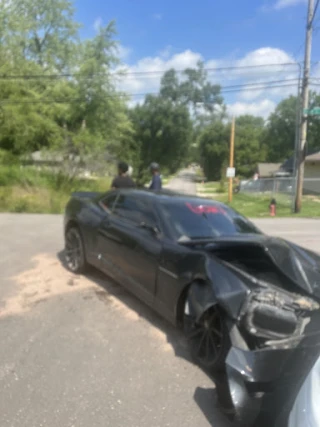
(272, 207)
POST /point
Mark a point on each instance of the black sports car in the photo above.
(248, 303)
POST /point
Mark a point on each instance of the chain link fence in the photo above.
(283, 187)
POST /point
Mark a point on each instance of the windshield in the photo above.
(192, 220)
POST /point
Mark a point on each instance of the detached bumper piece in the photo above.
(264, 383)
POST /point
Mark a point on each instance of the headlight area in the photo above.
(271, 318)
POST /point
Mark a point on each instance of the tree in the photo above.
(214, 149)
(41, 31)
(195, 91)
(98, 122)
(38, 37)
(248, 144)
(82, 115)
(163, 132)
(279, 139)
(193, 88)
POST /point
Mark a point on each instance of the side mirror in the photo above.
(154, 230)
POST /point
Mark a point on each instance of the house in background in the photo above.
(312, 166)
(280, 177)
(87, 167)
(311, 183)
(267, 170)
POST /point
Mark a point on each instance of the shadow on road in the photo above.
(208, 402)
(206, 399)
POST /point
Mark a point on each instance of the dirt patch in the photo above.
(49, 279)
(103, 296)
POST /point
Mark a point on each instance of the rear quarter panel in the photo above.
(87, 215)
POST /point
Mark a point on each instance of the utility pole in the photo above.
(305, 103)
(231, 157)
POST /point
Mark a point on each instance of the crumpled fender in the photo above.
(200, 298)
(222, 287)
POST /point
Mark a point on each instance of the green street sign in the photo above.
(312, 111)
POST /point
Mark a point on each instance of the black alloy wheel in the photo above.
(74, 251)
(208, 339)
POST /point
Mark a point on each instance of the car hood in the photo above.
(271, 259)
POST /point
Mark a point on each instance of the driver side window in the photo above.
(109, 201)
(134, 210)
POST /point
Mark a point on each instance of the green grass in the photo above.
(211, 187)
(208, 186)
(32, 191)
(258, 206)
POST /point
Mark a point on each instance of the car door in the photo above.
(135, 249)
(106, 243)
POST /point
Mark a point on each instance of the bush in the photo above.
(7, 158)
(25, 189)
(222, 186)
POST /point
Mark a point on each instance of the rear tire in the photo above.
(74, 251)
(208, 338)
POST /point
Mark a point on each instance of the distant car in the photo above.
(247, 303)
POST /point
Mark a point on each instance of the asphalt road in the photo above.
(184, 183)
(80, 351)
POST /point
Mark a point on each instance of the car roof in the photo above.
(169, 195)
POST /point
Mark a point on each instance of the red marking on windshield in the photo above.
(205, 209)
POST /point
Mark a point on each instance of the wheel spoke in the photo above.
(201, 343)
(73, 250)
(216, 332)
(207, 353)
(207, 338)
(213, 345)
(195, 333)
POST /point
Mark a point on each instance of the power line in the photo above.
(124, 74)
(261, 87)
(226, 89)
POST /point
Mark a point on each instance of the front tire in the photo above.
(208, 338)
(74, 251)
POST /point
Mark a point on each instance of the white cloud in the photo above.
(166, 52)
(282, 4)
(123, 52)
(144, 76)
(265, 56)
(262, 108)
(157, 16)
(265, 74)
(97, 24)
(315, 72)
(150, 66)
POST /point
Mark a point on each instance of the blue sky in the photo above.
(156, 35)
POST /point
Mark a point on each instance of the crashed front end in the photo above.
(274, 344)
(270, 289)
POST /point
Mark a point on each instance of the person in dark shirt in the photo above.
(122, 180)
(156, 183)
